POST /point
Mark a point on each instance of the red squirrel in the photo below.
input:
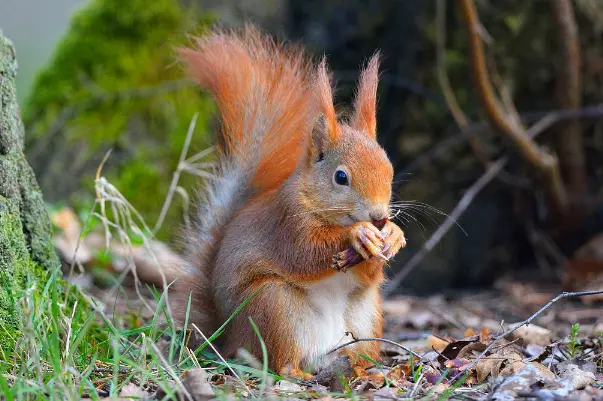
(295, 186)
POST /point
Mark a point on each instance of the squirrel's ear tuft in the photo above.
(365, 104)
(325, 102)
(320, 139)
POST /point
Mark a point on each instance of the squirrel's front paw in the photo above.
(394, 240)
(367, 240)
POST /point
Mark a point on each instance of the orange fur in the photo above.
(366, 98)
(262, 93)
(325, 100)
(276, 216)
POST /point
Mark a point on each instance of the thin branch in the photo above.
(384, 340)
(493, 170)
(457, 113)
(545, 163)
(524, 323)
(478, 127)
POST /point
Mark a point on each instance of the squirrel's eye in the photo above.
(341, 178)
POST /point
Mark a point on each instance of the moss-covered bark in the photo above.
(25, 238)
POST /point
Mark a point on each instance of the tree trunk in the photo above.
(25, 236)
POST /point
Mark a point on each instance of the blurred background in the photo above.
(97, 75)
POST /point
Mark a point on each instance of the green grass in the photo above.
(69, 347)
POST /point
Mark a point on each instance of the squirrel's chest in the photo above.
(337, 305)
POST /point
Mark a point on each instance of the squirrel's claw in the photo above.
(342, 261)
(394, 240)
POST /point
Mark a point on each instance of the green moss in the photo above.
(25, 241)
(36, 224)
(111, 47)
(15, 265)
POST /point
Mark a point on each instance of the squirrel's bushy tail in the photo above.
(266, 107)
(263, 95)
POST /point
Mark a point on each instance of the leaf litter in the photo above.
(537, 361)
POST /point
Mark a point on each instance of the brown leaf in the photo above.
(196, 382)
(531, 334)
(436, 342)
(488, 366)
(399, 372)
(521, 382)
(579, 378)
(452, 350)
(377, 380)
(470, 351)
(129, 392)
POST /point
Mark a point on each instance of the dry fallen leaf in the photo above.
(470, 351)
(377, 380)
(284, 387)
(197, 384)
(578, 378)
(531, 334)
(452, 350)
(488, 366)
(436, 342)
(399, 372)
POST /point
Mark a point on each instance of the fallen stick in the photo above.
(526, 322)
(383, 340)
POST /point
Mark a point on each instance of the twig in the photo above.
(545, 163)
(384, 340)
(524, 323)
(458, 210)
(457, 113)
(493, 170)
(176, 175)
(476, 128)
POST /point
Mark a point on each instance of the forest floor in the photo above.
(557, 357)
(104, 339)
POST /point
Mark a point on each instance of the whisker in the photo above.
(416, 220)
(422, 213)
(418, 205)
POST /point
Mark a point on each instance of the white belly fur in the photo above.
(322, 325)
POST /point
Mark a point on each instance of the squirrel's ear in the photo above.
(320, 139)
(326, 129)
(365, 104)
(325, 102)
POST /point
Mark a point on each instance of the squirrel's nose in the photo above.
(378, 213)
